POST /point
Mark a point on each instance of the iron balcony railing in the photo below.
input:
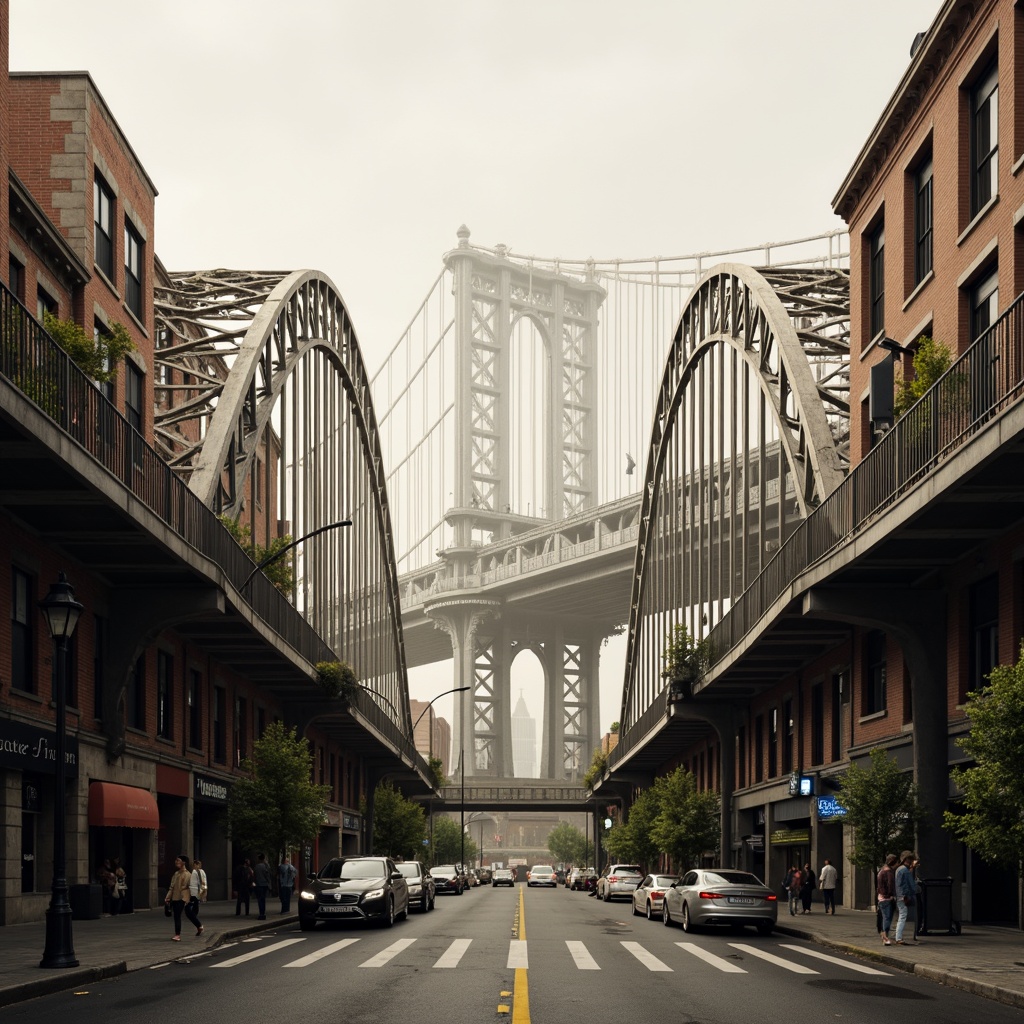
(44, 373)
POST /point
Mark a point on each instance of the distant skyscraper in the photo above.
(524, 741)
(429, 722)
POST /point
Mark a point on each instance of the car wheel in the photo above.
(687, 923)
(666, 916)
(765, 927)
(389, 917)
(307, 924)
(632, 907)
(650, 911)
(404, 915)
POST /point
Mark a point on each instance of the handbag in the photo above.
(167, 910)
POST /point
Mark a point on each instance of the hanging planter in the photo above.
(686, 661)
(337, 679)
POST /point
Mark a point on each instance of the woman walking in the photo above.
(178, 893)
(807, 886)
(197, 894)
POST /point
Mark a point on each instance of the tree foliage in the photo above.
(280, 572)
(931, 360)
(448, 840)
(882, 807)
(598, 765)
(437, 776)
(337, 678)
(399, 825)
(993, 820)
(568, 845)
(631, 841)
(688, 822)
(98, 357)
(275, 806)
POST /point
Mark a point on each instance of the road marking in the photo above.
(709, 958)
(862, 968)
(334, 947)
(521, 986)
(584, 961)
(262, 951)
(772, 959)
(388, 954)
(517, 956)
(454, 953)
(649, 960)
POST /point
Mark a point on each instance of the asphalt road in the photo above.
(581, 961)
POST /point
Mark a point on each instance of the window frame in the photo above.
(924, 218)
(164, 695)
(983, 131)
(875, 672)
(876, 278)
(983, 302)
(104, 204)
(134, 248)
(134, 394)
(23, 611)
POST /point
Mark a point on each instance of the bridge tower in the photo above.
(492, 295)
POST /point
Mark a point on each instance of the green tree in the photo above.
(882, 806)
(632, 840)
(568, 845)
(931, 360)
(993, 822)
(99, 356)
(688, 822)
(598, 764)
(275, 806)
(399, 825)
(448, 842)
(280, 572)
(437, 776)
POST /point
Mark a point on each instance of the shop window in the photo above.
(22, 609)
(874, 672)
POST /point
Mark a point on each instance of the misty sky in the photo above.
(355, 138)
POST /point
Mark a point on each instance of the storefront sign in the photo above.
(350, 821)
(829, 807)
(26, 748)
(210, 791)
(755, 842)
(791, 837)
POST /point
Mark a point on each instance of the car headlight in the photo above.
(415, 890)
(373, 894)
(307, 895)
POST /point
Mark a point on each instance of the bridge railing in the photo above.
(505, 795)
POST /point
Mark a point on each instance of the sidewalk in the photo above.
(988, 961)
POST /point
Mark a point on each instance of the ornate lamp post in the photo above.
(62, 611)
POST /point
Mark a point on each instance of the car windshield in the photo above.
(664, 880)
(444, 869)
(543, 869)
(625, 869)
(342, 870)
(731, 878)
(410, 870)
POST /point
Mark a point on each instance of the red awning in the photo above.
(122, 806)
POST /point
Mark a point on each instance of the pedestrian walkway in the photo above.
(988, 961)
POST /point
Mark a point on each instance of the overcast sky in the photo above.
(355, 138)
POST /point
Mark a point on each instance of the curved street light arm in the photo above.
(277, 554)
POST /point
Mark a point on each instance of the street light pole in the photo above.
(62, 611)
(277, 554)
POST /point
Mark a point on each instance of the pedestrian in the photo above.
(197, 894)
(886, 889)
(261, 876)
(105, 876)
(178, 893)
(918, 899)
(807, 886)
(827, 880)
(906, 890)
(795, 881)
(120, 887)
(244, 884)
(286, 874)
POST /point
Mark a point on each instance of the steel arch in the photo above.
(788, 330)
(276, 417)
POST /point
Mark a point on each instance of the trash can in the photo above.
(86, 902)
(937, 907)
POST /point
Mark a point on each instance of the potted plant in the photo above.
(337, 678)
(686, 660)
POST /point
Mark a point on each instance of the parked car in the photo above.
(582, 880)
(484, 875)
(473, 877)
(720, 896)
(421, 884)
(503, 876)
(648, 895)
(354, 889)
(541, 874)
(447, 879)
(618, 880)
(560, 876)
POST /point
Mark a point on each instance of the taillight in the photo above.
(711, 895)
(657, 894)
(771, 897)
(613, 878)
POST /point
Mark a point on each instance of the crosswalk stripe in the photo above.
(454, 953)
(649, 960)
(261, 951)
(517, 955)
(709, 958)
(848, 964)
(334, 947)
(584, 961)
(772, 959)
(388, 954)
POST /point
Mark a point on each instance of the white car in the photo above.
(542, 874)
(618, 880)
(650, 893)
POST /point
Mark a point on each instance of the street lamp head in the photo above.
(61, 608)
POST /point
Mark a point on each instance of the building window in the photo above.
(241, 729)
(741, 747)
(984, 639)
(874, 672)
(103, 224)
(923, 221)
(817, 724)
(99, 651)
(99, 331)
(261, 722)
(133, 395)
(787, 736)
(195, 709)
(984, 138)
(876, 280)
(22, 674)
(984, 299)
(133, 270)
(219, 726)
(840, 696)
(773, 742)
(45, 303)
(16, 277)
(759, 748)
(164, 695)
(135, 697)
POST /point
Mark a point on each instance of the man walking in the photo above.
(906, 890)
(261, 874)
(827, 883)
(286, 882)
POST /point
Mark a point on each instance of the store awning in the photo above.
(114, 805)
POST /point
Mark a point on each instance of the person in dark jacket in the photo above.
(244, 885)
(808, 884)
(262, 877)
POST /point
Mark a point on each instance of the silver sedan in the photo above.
(649, 894)
(720, 896)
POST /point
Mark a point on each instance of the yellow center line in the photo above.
(521, 989)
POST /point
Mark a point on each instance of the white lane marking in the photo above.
(454, 953)
(388, 954)
(262, 951)
(517, 956)
(772, 959)
(334, 947)
(649, 960)
(862, 968)
(709, 958)
(584, 961)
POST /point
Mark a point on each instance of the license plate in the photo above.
(742, 899)
(337, 910)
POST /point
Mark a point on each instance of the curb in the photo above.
(977, 988)
(59, 981)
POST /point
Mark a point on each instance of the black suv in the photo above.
(354, 889)
(448, 878)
